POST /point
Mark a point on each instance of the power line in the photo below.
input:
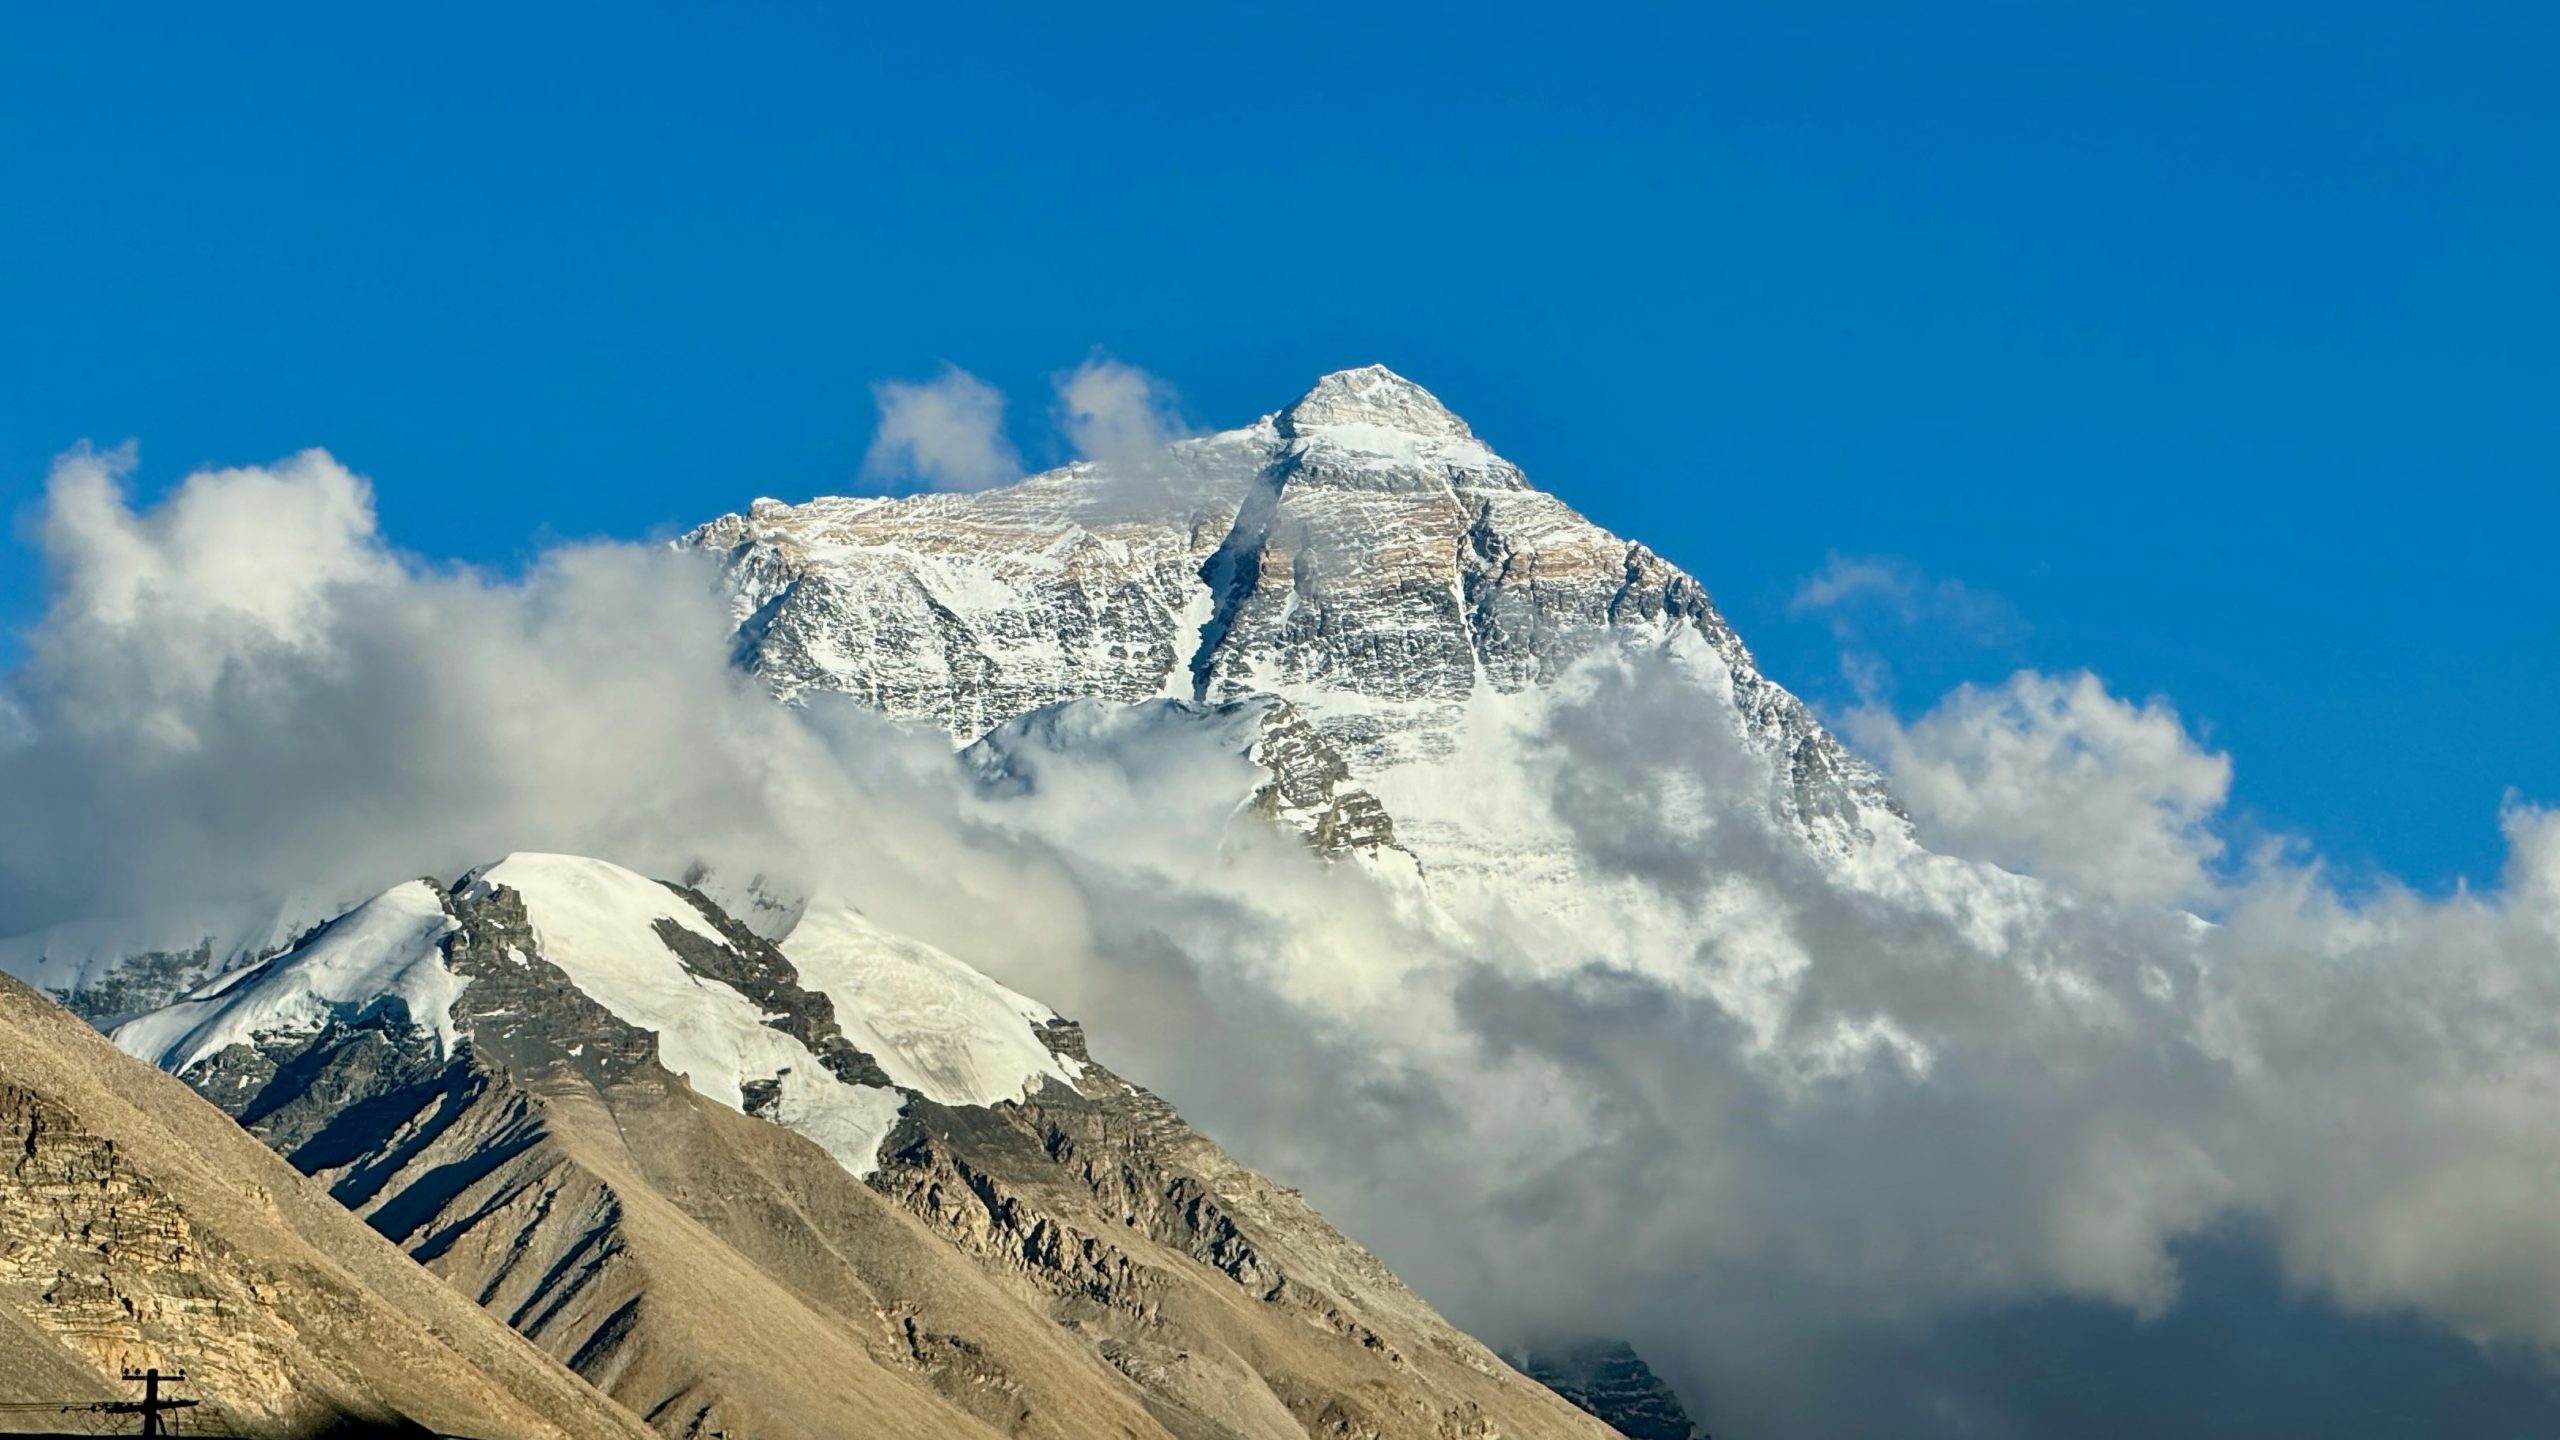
(151, 1407)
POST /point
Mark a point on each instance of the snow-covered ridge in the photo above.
(934, 1026)
(600, 924)
(387, 951)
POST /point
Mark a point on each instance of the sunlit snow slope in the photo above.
(649, 956)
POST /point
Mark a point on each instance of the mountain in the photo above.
(1611, 1381)
(1399, 641)
(1360, 558)
(1389, 608)
(833, 1182)
(139, 1227)
(1364, 573)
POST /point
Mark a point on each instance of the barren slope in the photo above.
(139, 1226)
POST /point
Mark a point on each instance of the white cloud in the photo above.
(2054, 776)
(1117, 414)
(1844, 578)
(946, 433)
(1853, 591)
(159, 606)
(1747, 1106)
(244, 690)
(2109, 1084)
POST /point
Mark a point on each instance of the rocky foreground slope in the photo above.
(830, 1184)
(140, 1227)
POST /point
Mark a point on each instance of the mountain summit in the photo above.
(1360, 555)
(1373, 395)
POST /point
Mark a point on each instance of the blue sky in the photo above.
(2218, 348)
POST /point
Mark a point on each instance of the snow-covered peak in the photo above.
(1373, 396)
(738, 1017)
(1359, 554)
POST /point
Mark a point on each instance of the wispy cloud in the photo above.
(1880, 603)
(946, 433)
(1116, 413)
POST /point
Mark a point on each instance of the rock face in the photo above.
(138, 1227)
(1299, 781)
(1611, 1381)
(1360, 554)
(828, 1184)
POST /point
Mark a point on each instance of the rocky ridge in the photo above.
(1068, 1260)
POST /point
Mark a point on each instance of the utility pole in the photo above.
(150, 1406)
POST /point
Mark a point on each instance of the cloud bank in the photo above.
(1811, 1134)
(2056, 777)
(246, 690)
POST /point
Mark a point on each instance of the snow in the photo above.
(596, 919)
(384, 950)
(1377, 398)
(598, 923)
(935, 1025)
(1399, 447)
